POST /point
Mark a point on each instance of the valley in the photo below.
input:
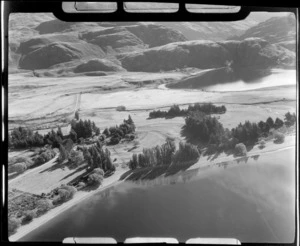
(99, 113)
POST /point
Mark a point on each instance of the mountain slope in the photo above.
(253, 52)
(97, 48)
(276, 30)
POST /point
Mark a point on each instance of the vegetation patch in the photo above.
(24, 207)
(175, 111)
(123, 131)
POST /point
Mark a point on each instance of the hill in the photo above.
(276, 30)
(254, 53)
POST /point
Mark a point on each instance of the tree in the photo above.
(63, 154)
(76, 157)
(97, 131)
(96, 177)
(43, 206)
(262, 144)
(73, 135)
(13, 225)
(77, 115)
(290, 119)
(19, 167)
(240, 149)
(279, 137)
(28, 216)
(270, 122)
(186, 152)
(59, 132)
(133, 163)
(65, 193)
(278, 123)
(130, 121)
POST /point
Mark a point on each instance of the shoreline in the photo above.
(51, 214)
(115, 180)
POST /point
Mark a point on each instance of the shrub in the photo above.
(129, 137)
(13, 225)
(43, 206)
(28, 216)
(279, 137)
(96, 177)
(240, 149)
(27, 160)
(121, 108)
(102, 137)
(114, 140)
(19, 167)
(65, 193)
(262, 144)
(44, 157)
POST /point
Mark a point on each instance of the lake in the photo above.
(146, 98)
(277, 77)
(252, 200)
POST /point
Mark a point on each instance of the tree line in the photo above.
(23, 137)
(164, 155)
(175, 111)
(210, 131)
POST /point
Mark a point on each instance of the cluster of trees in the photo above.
(23, 137)
(97, 157)
(174, 111)
(125, 130)
(21, 164)
(210, 131)
(204, 127)
(41, 206)
(185, 153)
(248, 133)
(165, 154)
(83, 129)
(44, 157)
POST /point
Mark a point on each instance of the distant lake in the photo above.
(277, 77)
(252, 200)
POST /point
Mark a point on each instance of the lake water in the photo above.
(252, 200)
(277, 77)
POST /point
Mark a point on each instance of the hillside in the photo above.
(218, 31)
(46, 42)
(254, 53)
(58, 48)
(276, 30)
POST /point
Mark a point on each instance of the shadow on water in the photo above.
(151, 173)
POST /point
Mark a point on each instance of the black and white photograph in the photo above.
(154, 129)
